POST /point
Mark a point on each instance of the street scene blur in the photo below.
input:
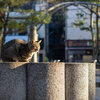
(69, 30)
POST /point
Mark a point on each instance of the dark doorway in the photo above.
(56, 41)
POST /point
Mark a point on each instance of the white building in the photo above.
(78, 46)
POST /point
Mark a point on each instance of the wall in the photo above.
(47, 81)
(12, 81)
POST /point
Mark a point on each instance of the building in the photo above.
(78, 44)
(56, 38)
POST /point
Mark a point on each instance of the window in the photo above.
(97, 84)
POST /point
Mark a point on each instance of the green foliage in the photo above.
(81, 22)
(85, 28)
(78, 23)
(33, 17)
(11, 4)
(59, 17)
(22, 26)
(92, 1)
(80, 14)
(1, 24)
(59, 1)
(12, 24)
(40, 17)
(46, 59)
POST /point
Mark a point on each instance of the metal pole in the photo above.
(97, 26)
(66, 48)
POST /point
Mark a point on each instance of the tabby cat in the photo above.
(19, 51)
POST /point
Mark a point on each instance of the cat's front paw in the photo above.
(15, 59)
(25, 60)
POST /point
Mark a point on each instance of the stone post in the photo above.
(91, 68)
(12, 81)
(46, 81)
(34, 35)
(76, 81)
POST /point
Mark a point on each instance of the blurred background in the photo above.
(69, 29)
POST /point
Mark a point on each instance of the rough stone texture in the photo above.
(76, 81)
(46, 81)
(92, 70)
(12, 81)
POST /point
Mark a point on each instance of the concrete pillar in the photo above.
(91, 75)
(34, 35)
(76, 81)
(12, 81)
(46, 81)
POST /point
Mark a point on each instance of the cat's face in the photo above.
(34, 45)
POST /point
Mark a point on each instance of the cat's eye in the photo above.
(31, 42)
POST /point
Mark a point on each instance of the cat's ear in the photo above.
(40, 41)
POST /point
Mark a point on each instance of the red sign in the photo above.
(79, 43)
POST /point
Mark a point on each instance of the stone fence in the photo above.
(47, 81)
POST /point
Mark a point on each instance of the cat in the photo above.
(19, 51)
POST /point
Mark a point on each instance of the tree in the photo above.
(81, 22)
(9, 23)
